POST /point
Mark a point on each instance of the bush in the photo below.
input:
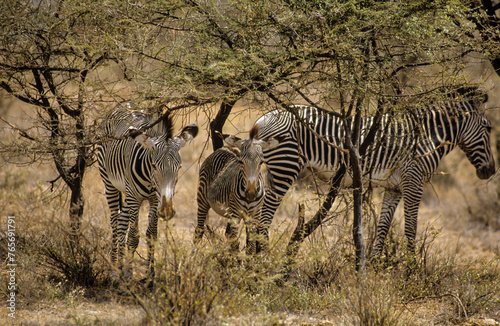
(79, 263)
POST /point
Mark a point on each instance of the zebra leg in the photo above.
(251, 224)
(232, 230)
(128, 219)
(133, 233)
(282, 181)
(389, 204)
(152, 234)
(412, 196)
(271, 204)
(203, 208)
(114, 199)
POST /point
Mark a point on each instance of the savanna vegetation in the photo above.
(221, 64)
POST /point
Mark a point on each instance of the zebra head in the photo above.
(165, 164)
(251, 159)
(475, 138)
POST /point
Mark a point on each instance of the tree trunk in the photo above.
(357, 224)
(76, 207)
(352, 139)
(218, 123)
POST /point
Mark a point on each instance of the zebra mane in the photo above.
(124, 116)
(474, 93)
(168, 124)
(455, 101)
(465, 93)
(163, 124)
(254, 132)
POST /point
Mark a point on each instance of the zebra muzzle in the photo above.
(486, 171)
(166, 209)
(251, 192)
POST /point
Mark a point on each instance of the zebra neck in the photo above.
(425, 132)
(440, 129)
(142, 162)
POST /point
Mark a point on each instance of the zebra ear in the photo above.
(478, 100)
(187, 134)
(141, 138)
(270, 143)
(232, 141)
(482, 97)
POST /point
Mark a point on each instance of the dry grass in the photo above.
(453, 280)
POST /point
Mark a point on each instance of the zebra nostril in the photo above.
(250, 196)
(250, 193)
(166, 209)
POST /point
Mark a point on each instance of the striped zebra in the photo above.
(233, 181)
(140, 167)
(407, 150)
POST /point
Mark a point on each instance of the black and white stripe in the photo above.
(233, 182)
(139, 168)
(407, 151)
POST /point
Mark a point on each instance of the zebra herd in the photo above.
(247, 179)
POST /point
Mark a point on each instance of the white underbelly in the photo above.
(119, 183)
(246, 209)
(385, 178)
(381, 178)
(219, 208)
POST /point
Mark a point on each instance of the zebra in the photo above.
(409, 148)
(138, 168)
(233, 181)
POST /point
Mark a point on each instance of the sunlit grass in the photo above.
(453, 277)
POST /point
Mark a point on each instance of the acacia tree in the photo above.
(355, 58)
(485, 14)
(50, 56)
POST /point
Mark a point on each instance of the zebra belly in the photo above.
(117, 181)
(220, 208)
(223, 208)
(387, 178)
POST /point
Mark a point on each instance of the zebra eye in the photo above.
(154, 166)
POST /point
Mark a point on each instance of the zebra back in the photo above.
(118, 123)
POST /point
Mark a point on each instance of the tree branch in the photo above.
(21, 132)
(303, 231)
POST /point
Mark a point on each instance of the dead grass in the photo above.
(454, 280)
